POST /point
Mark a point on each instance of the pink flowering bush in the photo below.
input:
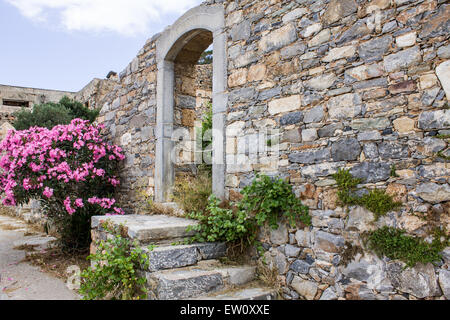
(69, 168)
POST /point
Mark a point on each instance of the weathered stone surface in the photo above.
(321, 82)
(370, 124)
(338, 9)
(329, 130)
(257, 72)
(344, 106)
(392, 150)
(360, 219)
(339, 53)
(306, 289)
(329, 294)
(300, 266)
(433, 192)
(328, 242)
(439, 119)
(365, 72)
(443, 73)
(406, 40)
(444, 52)
(444, 282)
(309, 135)
(284, 104)
(357, 31)
(402, 59)
(184, 284)
(238, 77)
(374, 49)
(371, 171)
(404, 124)
(308, 157)
(278, 38)
(291, 118)
(345, 149)
(419, 281)
(405, 86)
(280, 235)
(241, 31)
(316, 114)
(294, 14)
(291, 251)
(293, 136)
(303, 238)
(437, 24)
(322, 37)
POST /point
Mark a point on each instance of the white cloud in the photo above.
(127, 17)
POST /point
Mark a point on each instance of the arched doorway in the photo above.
(183, 43)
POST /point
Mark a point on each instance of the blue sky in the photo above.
(64, 44)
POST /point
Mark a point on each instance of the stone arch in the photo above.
(171, 43)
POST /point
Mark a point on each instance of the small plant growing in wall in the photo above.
(114, 275)
(396, 244)
(376, 200)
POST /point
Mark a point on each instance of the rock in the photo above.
(279, 236)
(338, 9)
(402, 59)
(278, 38)
(444, 52)
(371, 171)
(291, 118)
(300, 266)
(291, 251)
(360, 219)
(293, 136)
(238, 77)
(433, 145)
(308, 157)
(344, 106)
(314, 115)
(443, 73)
(322, 37)
(329, 294)
(339, 53)
(405, 86)
(419, 281)
(406, 40)
(311, 29)
(428, 81)
(306, 289)
(241, 31)
(365, 72)
(437, 24)
(309, 135)
(329, 130)
(371, 123)
(358, 270)
(294, 14)
(369, 136)
(434, 193)
(293, 50)
(404, 124)
(439, 119)
(444, 282)
(345, 149)
(303, 238)
(328, 242)
(321, 82)
(284, 104)
(392, 150)
(257, 72)
(357, 31)
(374, 50)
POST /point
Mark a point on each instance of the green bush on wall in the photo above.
(50, 114)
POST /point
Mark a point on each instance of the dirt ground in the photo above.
(19, 280)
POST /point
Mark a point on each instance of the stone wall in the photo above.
(342, 84)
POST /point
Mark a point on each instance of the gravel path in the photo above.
(20, 280)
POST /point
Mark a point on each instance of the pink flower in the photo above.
(79, 203)
(48, 192)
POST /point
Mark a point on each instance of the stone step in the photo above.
(178, 256)
(208, 276)
(251, 291)
(150, 229)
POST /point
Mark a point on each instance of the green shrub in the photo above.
(50, 114)
(268, 199)
(114, 275)
(221, 222)
(377, 201)
(265, 200)
(395, 244)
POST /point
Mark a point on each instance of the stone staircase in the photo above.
(182, 272)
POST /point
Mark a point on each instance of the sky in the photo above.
(64, 44)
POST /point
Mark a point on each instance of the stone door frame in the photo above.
(168, 45)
